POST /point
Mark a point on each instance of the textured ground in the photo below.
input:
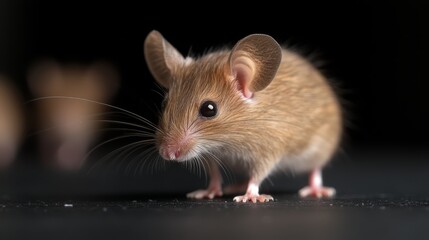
(387, 199)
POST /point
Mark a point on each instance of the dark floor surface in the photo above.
(386, 199)
(346, 217)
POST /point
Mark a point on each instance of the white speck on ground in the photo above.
(68, 205)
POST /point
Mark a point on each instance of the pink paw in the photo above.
(205, 193)
(254, 198)
(318, 192)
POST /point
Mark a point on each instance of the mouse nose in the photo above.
(170, 152)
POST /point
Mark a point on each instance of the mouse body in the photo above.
(66, 113)
(11, 122)
(257, 106)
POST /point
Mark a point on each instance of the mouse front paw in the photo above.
(254, 198)
(209, 193)
(317, 192)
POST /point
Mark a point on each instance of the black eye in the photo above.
(208, 109)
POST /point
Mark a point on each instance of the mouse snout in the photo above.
(170, 152)
(174, 150)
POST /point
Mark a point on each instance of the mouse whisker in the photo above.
(112, 153)
(204, 164)
(222, 166)
(157, 92)
(198, 167)
(147, 158)
(123, 123)
(115, 160)
(128, 130)
(196, 163)
(130, 113)
(130, 163)
(187, 165)
(115, 139)
(146, 154)
(202, 168)
(87, 118)
(126, 153)
(162, 89)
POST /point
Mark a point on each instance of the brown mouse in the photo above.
(66, 116)
(11, 121)
(257, 106)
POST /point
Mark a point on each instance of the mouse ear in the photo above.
(161, 57)
(254, 62)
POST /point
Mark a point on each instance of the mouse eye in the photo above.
(208, 109)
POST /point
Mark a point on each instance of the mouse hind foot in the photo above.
(208, 193)
(319, 192)
(316, 188)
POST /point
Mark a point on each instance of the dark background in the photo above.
(376, 53)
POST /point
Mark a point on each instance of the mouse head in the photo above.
(207, 97)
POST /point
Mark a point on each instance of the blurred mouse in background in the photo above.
(67, 115)
(11, 122)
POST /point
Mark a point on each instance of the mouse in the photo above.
(258, 106)
(67, 112)
(11, 121)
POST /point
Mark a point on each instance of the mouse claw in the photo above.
(205, 193)
(254, 198)
(317, 192)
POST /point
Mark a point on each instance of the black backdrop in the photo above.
(376, 52)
